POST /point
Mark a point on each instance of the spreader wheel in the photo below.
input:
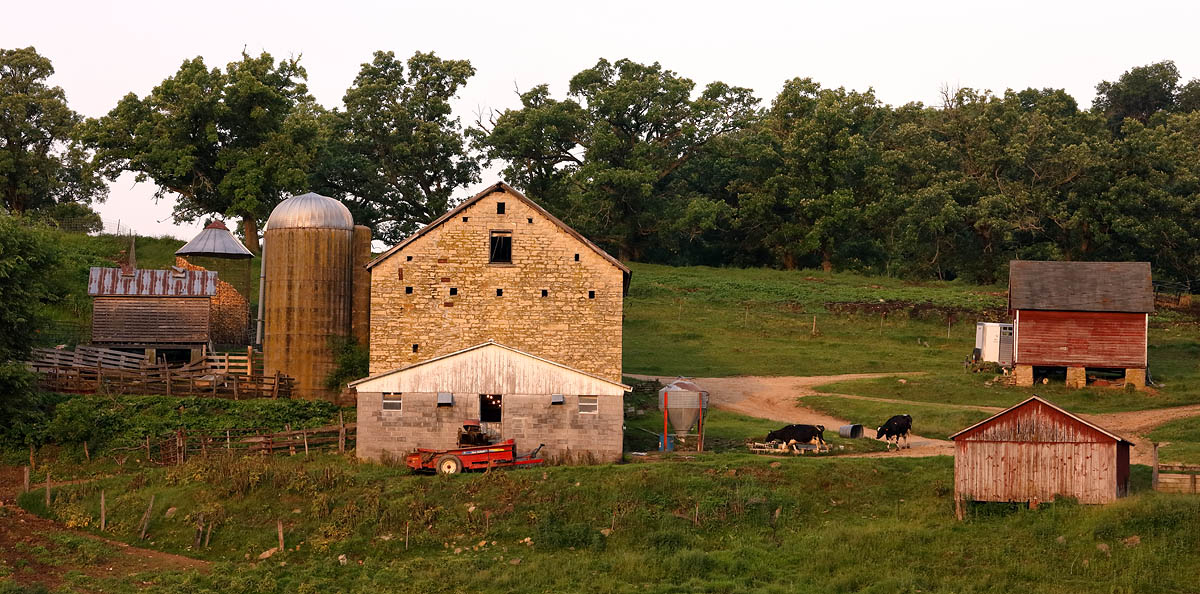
(448, 464)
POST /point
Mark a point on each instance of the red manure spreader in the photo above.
(475, 452)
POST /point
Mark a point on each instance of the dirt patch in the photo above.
(775, 398)
(31, 550)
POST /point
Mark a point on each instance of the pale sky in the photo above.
(906, 51)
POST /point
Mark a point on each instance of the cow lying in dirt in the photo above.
(802, 434)
(895, 428)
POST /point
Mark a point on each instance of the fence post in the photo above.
(275, 388)
(168, 381)
(25, 487)
(279, 528)
(47, 489)
(304, 434)
(291, 440)
(235, 387)
(341, 434)
(1154, 472)
(103, 511)
(228, 445)
(146, 517)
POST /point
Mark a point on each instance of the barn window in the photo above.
(408, 258)
(591, 294)
(415, 347)
(453, 291)
(501, 248)
(490, 406)
(589, 405)
(576, 257)
(557, 399)
(530, 219)
(499, 292)
(445, 399)
(465, 219)
(545, 293)
(499, 208)
(393, 401)
(408, 290)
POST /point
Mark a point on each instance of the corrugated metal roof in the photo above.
(310, 211)
(1081, 286)
(175, 282)
(215, 240)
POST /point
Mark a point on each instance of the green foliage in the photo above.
(71, 216)
(40, 162)
(396, 155)
(229, 142)
(351, 361)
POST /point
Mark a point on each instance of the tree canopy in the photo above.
(41, 164)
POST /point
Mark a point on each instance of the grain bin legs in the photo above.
(1137, 377)
(1024, 375)
(1076, 377)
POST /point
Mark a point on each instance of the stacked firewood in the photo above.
(230, 311)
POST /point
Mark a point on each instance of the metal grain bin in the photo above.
(308, 265)
(684, 402)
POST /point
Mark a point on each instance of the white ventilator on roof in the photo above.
(683, 401)
(215, 241)
(310, 211)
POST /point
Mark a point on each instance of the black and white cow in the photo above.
(811, 434)
(895, 428)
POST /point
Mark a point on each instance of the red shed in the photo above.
(1078, 315)
(1036, 451)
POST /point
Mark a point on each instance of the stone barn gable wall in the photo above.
(565, 326)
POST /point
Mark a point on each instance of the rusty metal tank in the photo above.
(308, 285)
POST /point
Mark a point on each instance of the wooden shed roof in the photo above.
(489, 366)
(501, 187)
(1034, 401)
(1080, 286)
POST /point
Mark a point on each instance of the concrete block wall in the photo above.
(565, 326)
(529, 419)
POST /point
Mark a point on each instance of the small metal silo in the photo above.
(308, 260)
(216, 249)
(684, 406)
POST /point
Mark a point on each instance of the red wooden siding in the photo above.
(1087, 339)
(150, 320)
(1036, 451)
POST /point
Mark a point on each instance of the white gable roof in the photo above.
(490, 368)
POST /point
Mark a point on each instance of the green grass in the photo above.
(728, 432)
(1184, 438)
(929, 420)
(728, 524)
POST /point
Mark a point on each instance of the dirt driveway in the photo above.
(29, 549)
(775, 398)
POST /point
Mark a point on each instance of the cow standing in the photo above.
(895, 428)
(804, 434)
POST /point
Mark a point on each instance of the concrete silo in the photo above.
(309, 255)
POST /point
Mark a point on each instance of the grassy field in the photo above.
(734, 523)
(1184, 438)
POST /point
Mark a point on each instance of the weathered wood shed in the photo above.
(1036, 451)
(578, 416)
(1079, 315)
(151, 309)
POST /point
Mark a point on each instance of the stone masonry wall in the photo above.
(565, 326)
(568, 435)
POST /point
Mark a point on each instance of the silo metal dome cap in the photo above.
(310, 211)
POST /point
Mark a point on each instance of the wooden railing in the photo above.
(1175, 478)
(163, 380)
(247, 363)
(181, 446)
(87, 356)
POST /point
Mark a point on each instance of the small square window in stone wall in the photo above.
(499, 292)
(545, 293)
(576, 257)
(453, 291)
(408, 258)
(408, 290)
(591, 294)
(415, 347)
(499, 208)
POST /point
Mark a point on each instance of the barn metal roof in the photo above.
(216, 241)
(310, 211)
(174, 282)
(1081, 286)
(1039, 399)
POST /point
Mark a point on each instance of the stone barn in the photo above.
(1035, 452)
(515, 395)
(1080, 315)
(498, 267)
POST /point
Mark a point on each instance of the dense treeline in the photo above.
(653, 168)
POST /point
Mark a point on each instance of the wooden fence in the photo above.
(87, 356)
(247, 363)
(182, 445)
(1175, 478)
(163, 380)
